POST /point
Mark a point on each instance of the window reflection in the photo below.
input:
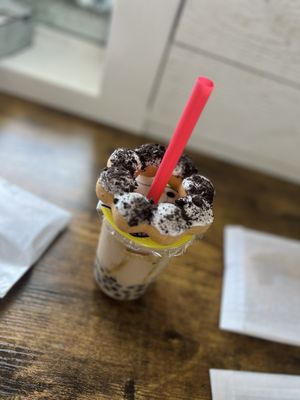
(87, 19)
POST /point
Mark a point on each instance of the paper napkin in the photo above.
(28, 225)
(239, 385)
(261, 286)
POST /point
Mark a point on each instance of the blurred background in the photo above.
(132, 63)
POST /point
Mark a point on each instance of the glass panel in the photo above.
(88, 19)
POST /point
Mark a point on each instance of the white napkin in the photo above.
(261, 287)
(28, 225)
(237, 385)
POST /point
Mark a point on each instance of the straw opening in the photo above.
(205, 81)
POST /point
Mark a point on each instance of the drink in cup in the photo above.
(125, 265)
(144, 225)
(139, 238)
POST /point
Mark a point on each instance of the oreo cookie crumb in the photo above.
(185, 167)
(127, 159)
(195, 210)
(139, 234)
(199, 185)
(135, 208)
(150, 154)
(117, 180)
(168, 219)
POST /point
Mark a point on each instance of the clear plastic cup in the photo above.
(125, 265)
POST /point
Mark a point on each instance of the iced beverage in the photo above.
(124, 268)
(138, 237)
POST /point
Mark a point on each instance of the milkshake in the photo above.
(125, 266)
(138, 238)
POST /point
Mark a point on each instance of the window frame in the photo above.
(126, 72)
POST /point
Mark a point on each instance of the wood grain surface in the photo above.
(60, 338)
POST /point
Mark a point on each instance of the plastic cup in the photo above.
(125, 265)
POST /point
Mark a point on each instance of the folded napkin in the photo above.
(28, 225)
(261, 287)
(237, 385)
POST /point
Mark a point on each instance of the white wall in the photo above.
(252, 52)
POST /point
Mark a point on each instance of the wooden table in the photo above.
(60, 338)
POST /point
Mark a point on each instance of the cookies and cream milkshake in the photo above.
(138, 238)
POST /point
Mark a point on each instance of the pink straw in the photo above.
(191, 113)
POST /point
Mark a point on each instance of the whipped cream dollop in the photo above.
(134, 208)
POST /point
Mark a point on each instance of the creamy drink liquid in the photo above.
(123, 267)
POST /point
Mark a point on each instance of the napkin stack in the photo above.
(28, 225)
(261, 286)
(261, 297)
(236, 385)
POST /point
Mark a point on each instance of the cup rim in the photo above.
(141, 241)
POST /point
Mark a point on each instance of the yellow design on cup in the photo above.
(147, 241)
